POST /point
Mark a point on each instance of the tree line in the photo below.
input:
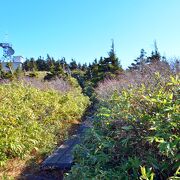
(88, 75)
(94, 72)
(97, 70)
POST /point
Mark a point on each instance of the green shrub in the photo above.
(35, 120)
(135, 135)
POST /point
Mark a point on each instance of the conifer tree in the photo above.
(112, 63)
(155, 55)
(73, 65)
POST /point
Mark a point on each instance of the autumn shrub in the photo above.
(135, 78)
(136, 130)
(59, 85)
(34, 118)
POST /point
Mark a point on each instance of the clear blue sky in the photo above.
(83, 29)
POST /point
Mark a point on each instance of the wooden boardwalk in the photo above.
(62, 158)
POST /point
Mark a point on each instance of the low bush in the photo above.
(34, 119)
(135, 134)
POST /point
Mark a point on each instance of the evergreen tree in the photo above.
(112, 56)
(155, 55)
(84, 67)
(25, 65)
(32, 65)
(112, 60)
(73, 65)
(59, 71)
(79, 66)
(50, 63)
(41, 64)
(140, 61)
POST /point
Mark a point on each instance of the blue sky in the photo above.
(83, 29)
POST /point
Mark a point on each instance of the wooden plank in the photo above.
(62, 158)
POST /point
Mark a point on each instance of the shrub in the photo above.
(135, 133)
(33, 119)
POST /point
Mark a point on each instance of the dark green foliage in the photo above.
(140, 61)
(73, 65)
(32, 64)
(105, 68)
(41, 64)
(33, 74)
(155, 56)
(143, 59)
(49, 76)
(56, 72)
(79, 75)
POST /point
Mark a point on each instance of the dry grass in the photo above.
(58, 84)
(15, 167)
